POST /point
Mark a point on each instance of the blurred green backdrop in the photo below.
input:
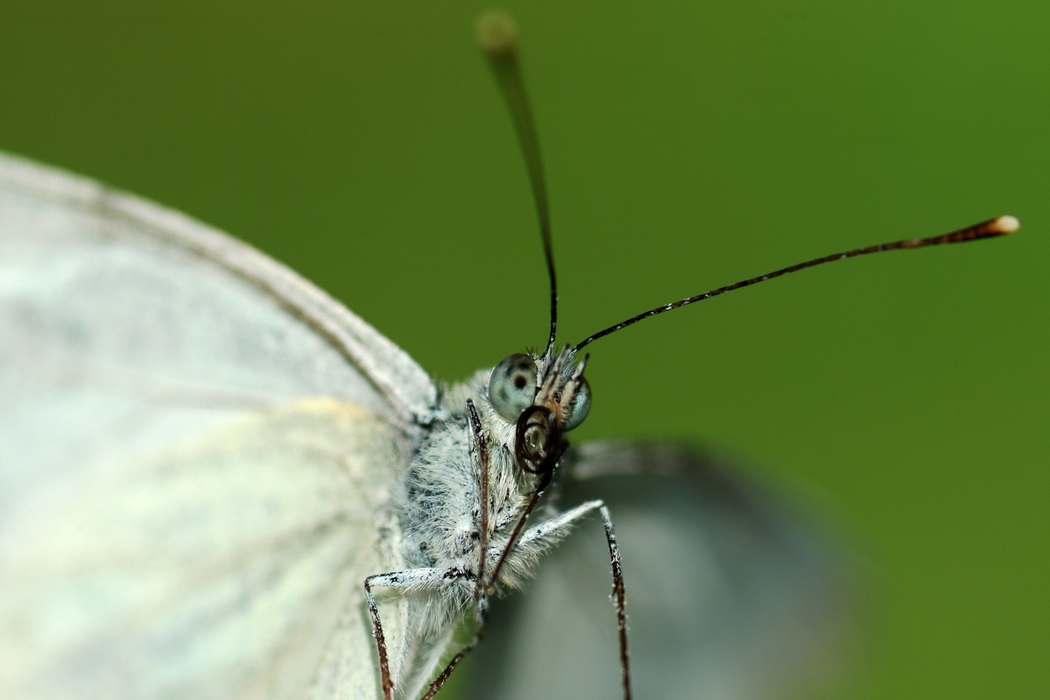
(687, 144)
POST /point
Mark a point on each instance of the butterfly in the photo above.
(217, 481)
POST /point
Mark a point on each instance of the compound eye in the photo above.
(512, 386)
(581, 406)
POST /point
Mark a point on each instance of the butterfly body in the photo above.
(462, 508)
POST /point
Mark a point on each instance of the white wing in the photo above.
(180, 516)
(730, 595)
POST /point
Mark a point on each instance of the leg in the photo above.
(411, 580)
(619, 601)
(443, 676)
(552, 531)
(482, 451)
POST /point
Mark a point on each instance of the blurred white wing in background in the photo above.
(731, 595)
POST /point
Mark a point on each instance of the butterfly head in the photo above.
(543, 397)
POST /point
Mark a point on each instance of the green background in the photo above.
(687, 145)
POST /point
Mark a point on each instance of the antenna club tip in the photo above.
(496, 33)
(1006, 224)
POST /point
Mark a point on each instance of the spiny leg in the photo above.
(412, 579)
(619, 601)
(482, 611)
(377, 634)
(443, 676)
(555, 529)
(481, 446)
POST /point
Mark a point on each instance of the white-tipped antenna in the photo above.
(497, 35)
(992, 228)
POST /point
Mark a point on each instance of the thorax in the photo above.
(441, 512)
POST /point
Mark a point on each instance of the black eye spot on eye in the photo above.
(512, 385)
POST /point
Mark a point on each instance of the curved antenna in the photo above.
(497, 35)
(988, 229)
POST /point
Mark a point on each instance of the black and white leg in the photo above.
(410, 581)
(481, 453)
(552, 531)
(443, 676)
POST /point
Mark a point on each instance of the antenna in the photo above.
(988, 229)
(497, 35)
